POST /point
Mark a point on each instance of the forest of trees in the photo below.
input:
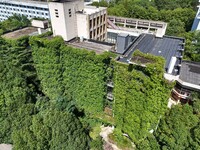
(53, 96)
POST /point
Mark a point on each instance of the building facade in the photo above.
(196, 23)
(72, 19)
(188, 81)
(31, 9)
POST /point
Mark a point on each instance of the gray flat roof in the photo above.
(190, 72)
(166, 47)
(98, 48)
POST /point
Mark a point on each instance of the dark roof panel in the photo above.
(190, 72)
(166, 47)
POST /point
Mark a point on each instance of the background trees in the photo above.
(14, 22)
(179, 14)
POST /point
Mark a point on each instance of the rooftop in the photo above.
(190, 72)
(97, 47)
(91, 10)
(22, 32)
(166, 47)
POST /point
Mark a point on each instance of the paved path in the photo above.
(105, 131)
(5, 147)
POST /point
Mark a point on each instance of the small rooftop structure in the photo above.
(190, 75)
(123, 40)
(171, 48)
(40, 23)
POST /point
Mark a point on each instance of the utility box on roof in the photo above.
(40, 23)
(122, 42)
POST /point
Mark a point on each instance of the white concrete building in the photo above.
(31, 9)
(70, 19)
(196, 23)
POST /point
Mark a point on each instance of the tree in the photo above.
(174, 131)
(175, 27)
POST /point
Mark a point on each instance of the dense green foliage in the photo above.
(50, 129)
(140, 97)
(192, 47)
(15, 90)
(70, 74)
(27, 118)
(14, 22)
(175, 129)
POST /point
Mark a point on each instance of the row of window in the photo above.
(3, 17)
(17, 9)
(97, 20)
(99, 38)
(6, 6)
(8, 15)
(57, 15)
(98, 31)
(39, 13)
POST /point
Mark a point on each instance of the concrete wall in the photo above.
(83, 26)
(98, 25)
(63, 18)
(58, 20)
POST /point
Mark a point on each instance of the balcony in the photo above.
(110, 84)
(110, 96)
(181, 93)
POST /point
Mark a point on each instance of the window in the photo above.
(56, 13)
(97, 20)
(94, 20)
(90, 34)
(94, 33)
(90, 24)
(70, 12)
